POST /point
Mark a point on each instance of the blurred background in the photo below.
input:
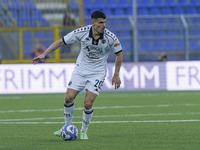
(146, 28)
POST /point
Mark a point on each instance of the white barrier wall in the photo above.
(54, 78)
(183, 75)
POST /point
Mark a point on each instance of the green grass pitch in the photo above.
(157, 120)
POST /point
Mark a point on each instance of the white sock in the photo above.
(68, 112)
(87, 116)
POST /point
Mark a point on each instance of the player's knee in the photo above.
(88, 104)
(68, 99)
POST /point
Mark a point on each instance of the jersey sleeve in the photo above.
(113, 42)
(70, 38)
(116, 45)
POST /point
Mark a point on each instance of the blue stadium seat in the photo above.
(20, 23)
(154, 11)
(88, 4)
(183, 2)
(166, 10)
(114, 23)
(50, 34)
(32, 23)
(27, 48)
(195, 20)
(74, 5)
(43, 23)
(148, 33)
(1, 16)
(144, 3)
(29, 2)
(191, 10)
(140, 33)
(181, 32)
(36, 14)
(125, 34)
(158, 3)
(180, 44)
(171, 3)
(111, 4)
(175, 44)
(149, 45)
(27, 36)
(179, 10)
(141, 46)
(99, 4)
(149, 21)
(40, 34)
(87, 12)
(169, 45)
(172, 32)
(24, 15)
(125, 23)
(108, 11)
(143, 11)
(125, 3)
(173, 21)
(160, 20)
(194, 44)
(119, 11)
(129, 11)
(194, 32)
(158, 45)
(127, 45)
(160, 33)
(195, 2)
(145, 45)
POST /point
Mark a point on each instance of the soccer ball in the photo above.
(69, 132)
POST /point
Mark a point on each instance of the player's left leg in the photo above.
(87, 113)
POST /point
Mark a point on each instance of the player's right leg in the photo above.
(68, 108)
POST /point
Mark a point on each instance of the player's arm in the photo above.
(50, 49)
(116, 79)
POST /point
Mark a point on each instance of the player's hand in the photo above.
(116, 81)
(36, 59)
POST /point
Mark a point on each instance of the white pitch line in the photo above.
(135, 94)
(9, 97)
(111, 107)
(103, 116)
(98, 122)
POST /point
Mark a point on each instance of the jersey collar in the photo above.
(90, 34)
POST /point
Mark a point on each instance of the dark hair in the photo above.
(98, 14)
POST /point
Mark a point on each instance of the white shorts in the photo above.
(93, 82)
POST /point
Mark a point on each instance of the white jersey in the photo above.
(94, 53)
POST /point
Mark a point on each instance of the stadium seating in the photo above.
(151, 25)
(154, 11)
(26, 14)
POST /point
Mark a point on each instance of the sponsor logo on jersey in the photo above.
(92, 56)
(94, 48)
(116, 44)
(103, 41)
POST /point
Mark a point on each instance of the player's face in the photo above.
(99, 25)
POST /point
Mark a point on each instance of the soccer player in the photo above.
(90, 70)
